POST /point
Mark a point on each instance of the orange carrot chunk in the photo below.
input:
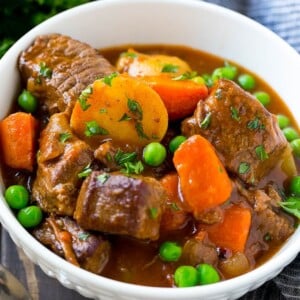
(232, 232)
(174, 216)
(203, 180)
(179, 96)
(18, 137)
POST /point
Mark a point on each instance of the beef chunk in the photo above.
(245, 135)
(73, 66)
(59, 163)
(64, 237)
(119, 204)
(268, 217)
(198, 250)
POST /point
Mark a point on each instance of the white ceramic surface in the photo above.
(193, 23)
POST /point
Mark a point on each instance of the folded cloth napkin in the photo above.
(282, 17)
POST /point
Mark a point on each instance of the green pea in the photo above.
(295, 186)
(207, 274)
(16, 196)
(186, 276)
(30, 216)
(290, 133)
(246, 81)
(295, 144)
(176, 142)
(283, 121)
(263, 98)
(154, 154)
(170, 251)
(27, 102)
(227, 72)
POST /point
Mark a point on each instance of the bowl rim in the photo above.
(41, 253)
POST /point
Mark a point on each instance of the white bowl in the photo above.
(193, 23)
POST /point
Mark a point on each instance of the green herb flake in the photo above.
(108, 79)
(244, 168)
(103, 177)
(234, 113)
(186, 76)
(125, 117)
(174, 206)
(206, 121)
(268, 237)
(133, 167)
(255, 124)
(292, 206)
(102, 110)
(221, 170)
(63, 137)
(129, 54)
(85, 172)
(169, 68)
(261, 153)
(93, 128)
(140, 131)
(45, 71)
(135, 108)
(153, 212)
(83, 98)
(83, 236)
(122, 157)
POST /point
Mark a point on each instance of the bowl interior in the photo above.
(186, 22)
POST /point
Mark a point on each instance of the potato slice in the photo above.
(121, 108)
(139, 64)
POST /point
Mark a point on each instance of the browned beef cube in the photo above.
(59, 162)
(245, 135)
(118, 204)
(64, 237)
(268, 218)
(72, 66)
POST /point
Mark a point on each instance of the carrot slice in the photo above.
(18, 137)
(179, 96)
(203, 180)
(174, 216)
(233, 231)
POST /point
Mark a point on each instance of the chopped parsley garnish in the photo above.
(128, 162)
(133, 167)
(244, 168)
(108, 79)
(206, 121)
(45, 71)
(122, 157)
(102, 110)
(63, 137)
(255, 124)
(103, 177)
(140, 131)
(169, 68)
(261, 153)
(85, 172)
(267, 237)
(83, 98)
(135, 108)
(208, 80)
(292, 206)
(129, 54)
(186, 76)
(93, 128)
(234, 113)
(125, 117)
(153, 212)
(83, 236)
(174, 206)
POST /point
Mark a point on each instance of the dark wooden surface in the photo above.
(39, 285)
